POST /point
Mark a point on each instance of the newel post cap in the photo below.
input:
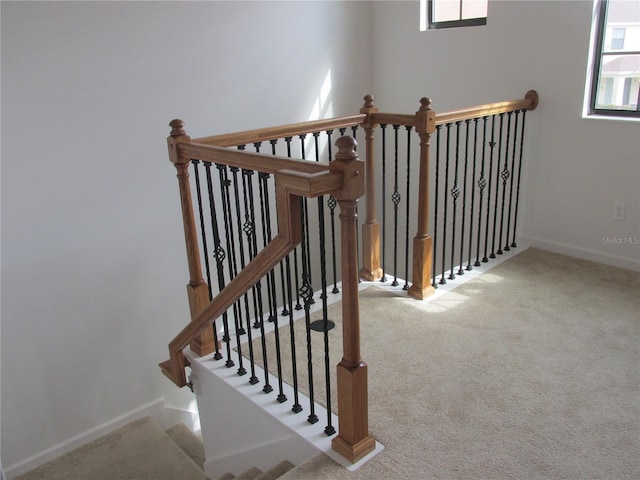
(177, 128)
(346, 148)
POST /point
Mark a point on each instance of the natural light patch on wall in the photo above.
(322, 108)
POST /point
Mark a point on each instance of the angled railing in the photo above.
(442, 200)
(295, 180)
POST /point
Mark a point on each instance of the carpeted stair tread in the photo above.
(188, 442)
(137, 451)
(276, 471)
(250, 474)
(227, 476)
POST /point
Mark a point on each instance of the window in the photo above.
(617, 39)
(452, 13)
(615, 77)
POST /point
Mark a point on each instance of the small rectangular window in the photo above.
(454, 13)
(615, 75)
(617, 39)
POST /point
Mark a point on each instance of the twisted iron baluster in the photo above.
(446, 203)
(505, 174)
(482, 183)
(231, 261)
(406, 243)
(455, 193)
(395, 198)
(217, 355)
(492, 144)
(219, 254)
(495, 205)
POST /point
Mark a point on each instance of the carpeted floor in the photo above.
(530, 371)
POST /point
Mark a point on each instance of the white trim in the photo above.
(584, 253)
(76, 441)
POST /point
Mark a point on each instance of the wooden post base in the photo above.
(353, 441)
(353, 453)
(421, 287)
(370, 252)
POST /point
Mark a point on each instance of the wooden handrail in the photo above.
(281, 131)
(248, 160)
(529, 102)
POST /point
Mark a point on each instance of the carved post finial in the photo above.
(425, 104)
(177, 128)
(346, 148)
(368, 101)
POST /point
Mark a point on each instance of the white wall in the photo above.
(578, 169)
(93, 263)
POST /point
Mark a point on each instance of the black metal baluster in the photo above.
(219, 255)
(435, 210)
(306, 292)
(515, 217)
(271, 281)
(284, 312)
(492, 144)
(305, 208)
(473, 189)
(295, 250)
(257, 298)
(513, 166)
(296, 408)
(383, 128)
(495, 205)
(464, 194)
(234, 172)
(446, 203)
(395, 198)
(455, 193)
(408, 201)
(505, 174)
(231, 261)
(482, 183)
(329, 430)
(217, 355)
(332, 203)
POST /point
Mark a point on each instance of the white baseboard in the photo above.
(150, 409)
(584, 253)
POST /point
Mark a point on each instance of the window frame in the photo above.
(469, 22)
(598, 54)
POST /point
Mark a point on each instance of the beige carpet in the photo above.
(137, 451)
(530, 371)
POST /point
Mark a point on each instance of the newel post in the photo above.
(197, 289)
(353, 440)
(370, 228)
(422, 243)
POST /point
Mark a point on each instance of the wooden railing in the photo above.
(346, 178)
(424, 121)
(343, 178)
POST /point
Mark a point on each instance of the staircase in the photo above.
(141, 450)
